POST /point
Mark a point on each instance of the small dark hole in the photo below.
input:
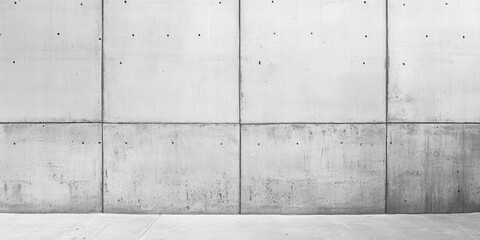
(99, 142)
(199, 34)
(221, 143)
(168, 35)
(58, 34)
(297, 143)
(219, 2)
(13, 62)
(463, 36)
(43, 125)
(81, 4)
(311, 33)
(272, 1)
(126, 142)
(274, 33)
(363, 63)
(100, 39)
(83, 142)
(366, 36)
(15, 2)
(259, 62)
(404, 4)
(446, 3)
(426, 35)
(133, 35)
(258, 144)
(13, 143)
(458, 190)
(403, 64)
(173, 142)
(125, 1)
(364, 1)
(341, 142)
(121, 63)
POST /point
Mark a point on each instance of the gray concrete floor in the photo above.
(135, 227)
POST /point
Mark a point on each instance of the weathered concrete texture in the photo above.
(434, 59)
(50, 54)
(433, 168)
(310, 169)
(171, 168)
(171, 61)
(314, 61)
(50, 168)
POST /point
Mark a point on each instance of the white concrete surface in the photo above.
(434, 59)
(50, 61)
(433, 168)
(50, 168)
(172, 168)
(171, 61)
(313, 61)
(154, 227)
(311, 169)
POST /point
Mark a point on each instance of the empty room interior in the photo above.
(239, 119)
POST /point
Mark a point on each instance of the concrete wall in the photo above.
(228, 106)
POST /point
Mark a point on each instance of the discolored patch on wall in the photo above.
(313, 169)
(433, 168)
(171, 168)
(48, 168)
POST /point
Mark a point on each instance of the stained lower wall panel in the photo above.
(433, 168)
(310, 169)
(171, 168)
(50, 168)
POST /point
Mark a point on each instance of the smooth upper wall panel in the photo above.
(50, 168)
(433, 168)
(434, 61)
(313, 169)
(313, 61)
(50, 61)
(171, 61)
(171, 168)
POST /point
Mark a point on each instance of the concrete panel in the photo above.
(433, 168)
(50, 60)
(313, 61)
(311, 169)
(171, 168)
(434, 53)
(50, 168)
(171, 61)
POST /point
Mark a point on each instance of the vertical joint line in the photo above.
(102, 107)
(387, 76)
(240, 106)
